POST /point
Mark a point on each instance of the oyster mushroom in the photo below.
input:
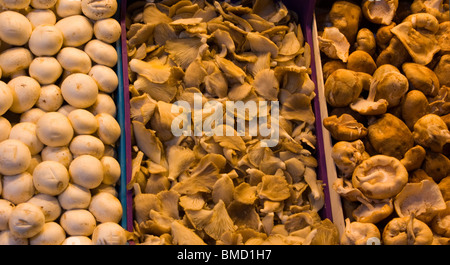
(274, 188)
(390, 136)
(379, 12)
(334, 44)
(407, 231)
(357, 233)
(380, 177)
(423, 199)
(431, 132)
(344, 127)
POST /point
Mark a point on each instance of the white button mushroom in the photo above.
(35, 160)
(98, 9)
(7, 238)
(26, 220)
(77, 30)
(15, 4)
(66, 8)
(50, 98)
(51, 234)
(109, 233)
(66, 109)
(39, 17)
(87, 145)
(75, 197)
(111, 170)
(5, 128)
(25, 91)
(106, 207)
(18, 188)
(6, 208)
(107, 30)
(32, 115)
(104, 104)
(106, 78)
(54, 129)
(16, 28)
(59, 154)
(42, 4)
(77, 240)
(45, 40)
(46, 70)
(86, 171)
(83, 121)
(15, 157)
(79, 90)
(15, 59)
(108, 128)
(48, 204)
(78, 222)
(101, 52)
(74, 60)
(50, 177)
(6, 98)
(26, 133)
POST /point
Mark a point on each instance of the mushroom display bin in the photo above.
(305, 10)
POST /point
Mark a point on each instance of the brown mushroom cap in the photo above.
(347, 155)
(380, 177)
(407, 231)
(358, 233)
(423, 199)
(346, 17)
(365, 41)
(390, 136)
(421, 78)
(442, 69)
(431, 132)
(342, 88)
(440, 222)
(361, 61)
(344, 127)
(380, 12)
(414, 106)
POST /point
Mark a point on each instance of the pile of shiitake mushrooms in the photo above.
(385, 66)
(58, 131)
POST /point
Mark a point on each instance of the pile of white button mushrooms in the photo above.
(386, 70)
(58, 131)
(212, 189)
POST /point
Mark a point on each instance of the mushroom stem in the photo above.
(372, 90)
(410, 230)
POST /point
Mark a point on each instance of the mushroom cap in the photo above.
(361, 61)
(407, 231)
(441, 70)
(15, 59)
(414, 106)
(358, 233)
(54, 129)
(65, 8)
(390, 136)
(15, 4)
(26, 91)
(344, 127)
(79, 90)
(6, 97)
(101, 52)
(365, 41)
(15, 157)
(107, 30)
(78, 222)
(77, 30)
(346, 16)
(421, 78)
(431, 132)
(39, 17)
(96, 10)
(16, 28)
(86, 171)
(380, 12)
(391, 87)
(423, 199)
(380, 177)
(45, 40)
(374, 213)
(334, 44)
(46, 70)
(26, 133)
(347, 155)
(26, 220)
(439, 224)
(342, 87)
(74, 60)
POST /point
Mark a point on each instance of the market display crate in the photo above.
(304, 11)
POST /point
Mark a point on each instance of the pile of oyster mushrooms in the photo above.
(385, 66)
(211, 189)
